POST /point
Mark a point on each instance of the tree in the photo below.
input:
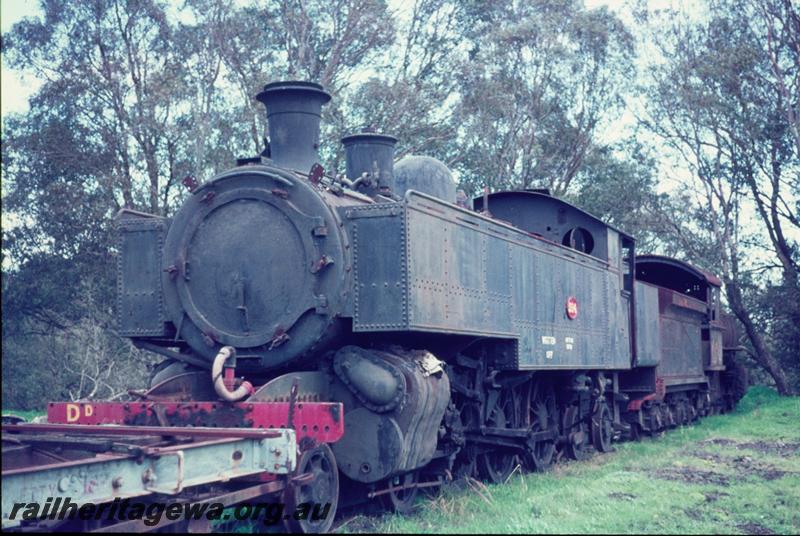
(727, 121)
(115, 63)
(538, 79)
(778, 24)
(617, 184)
(264, 41)
(408, 96)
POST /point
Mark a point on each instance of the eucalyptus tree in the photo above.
(537, 80)
(136, 95)
(617, 183)
(411, 91)
(719, 103)
(267, 40)
(114, 65)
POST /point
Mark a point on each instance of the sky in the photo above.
(16, 88)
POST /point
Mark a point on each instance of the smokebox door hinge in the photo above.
(319, 227)
(321, 263)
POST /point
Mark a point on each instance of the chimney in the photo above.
(293, 113)
(373, 154)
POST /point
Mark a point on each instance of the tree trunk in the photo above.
(762, 354)
(152, 172)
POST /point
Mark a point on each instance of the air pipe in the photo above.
(223, 382)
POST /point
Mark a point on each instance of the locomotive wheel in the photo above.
(635, 433)
(702, 408)
(663, 413)
(401, 501)
(578, 445)
(683, 413)
(602, 428)
(680, 414)
(543, 415)
(466, 462)
(654, 415)
(693, 415)
(168, 369)
(497, 465)
(671, 421)
(322, 489)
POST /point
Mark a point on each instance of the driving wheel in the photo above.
(602, 428)
(401, 501)
(316, 493)
(543, 418)
(498, 464)
(578, 445)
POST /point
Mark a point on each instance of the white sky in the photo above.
(16, 88)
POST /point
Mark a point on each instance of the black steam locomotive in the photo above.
(460, 340)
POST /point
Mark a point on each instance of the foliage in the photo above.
(617, 184)
(726, 120)
(138, 94)
(538, 80)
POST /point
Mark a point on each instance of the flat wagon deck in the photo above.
(78, 470)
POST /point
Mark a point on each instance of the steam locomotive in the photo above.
(460, 340)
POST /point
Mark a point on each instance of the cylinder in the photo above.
(293, 114)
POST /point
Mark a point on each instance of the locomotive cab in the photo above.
(555, 221)
(689, 289)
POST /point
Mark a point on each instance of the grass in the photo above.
(27, 415)
(730, 474)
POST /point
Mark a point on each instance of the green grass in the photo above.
(730, 474)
